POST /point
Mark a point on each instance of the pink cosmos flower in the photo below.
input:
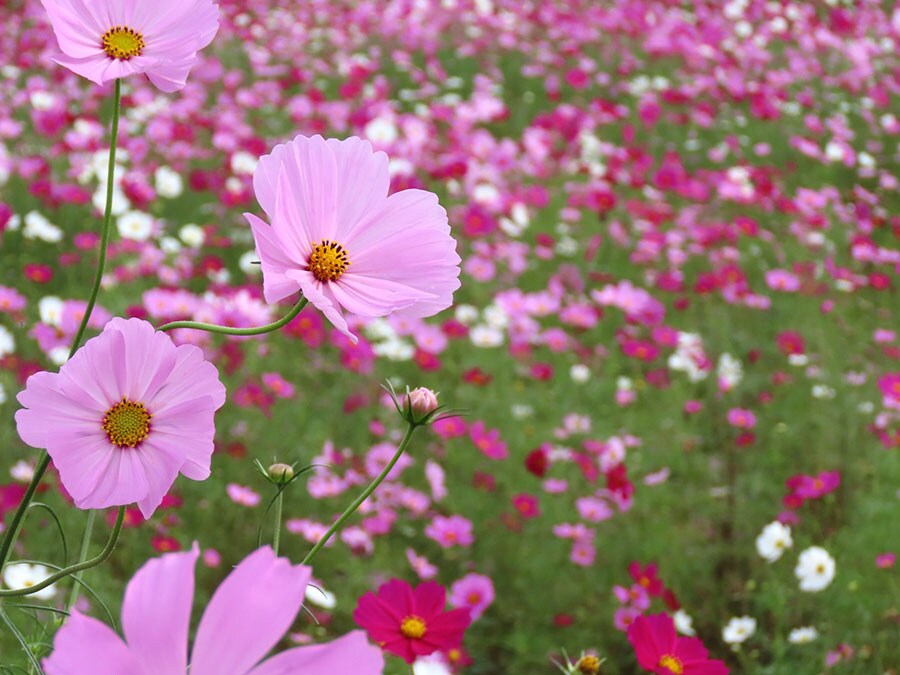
(741, 418)
(124, 416)
(411, 622)
(247, 616)
(450, 531)
(104, 40)
(473, 591)
(339, 238)
(660, 650)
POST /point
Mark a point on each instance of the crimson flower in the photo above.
(659, 649)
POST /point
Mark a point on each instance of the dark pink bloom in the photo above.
(814, 487)
(411, 622)
(660, 650)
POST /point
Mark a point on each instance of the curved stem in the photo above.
(276, 537)
(78, 567)
(363, 497)
(15, 526)
(82, 555)
(107, 219)
(228, 330)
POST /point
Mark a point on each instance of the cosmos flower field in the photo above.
(643, 255)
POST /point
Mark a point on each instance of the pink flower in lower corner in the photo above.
(410, 622)
(124, 416)
(104, 40)
(246, 617)
(660, 650)
(337, 236)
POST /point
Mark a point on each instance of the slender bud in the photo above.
(422, 401)
(280, 473)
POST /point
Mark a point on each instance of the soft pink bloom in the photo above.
(104, 40)
(450, 531)
(420, 564)
(242, 495)
(246, 617)
(337, 237)
(488, 441)
(473, 591)
(124, 416)
(814, 487)
(583, 552)
(885, 560)
(741, 418)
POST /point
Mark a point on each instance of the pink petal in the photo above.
(351, 653)
(310, 173)
(159, 464)
(274, 261)
(364, 181)
(313, 291)
(156, 611)
(430, 599)
(85, 646)
(192, 378)
(249, 612)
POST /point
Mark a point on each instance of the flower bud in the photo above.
(422, 401)
(280, 473)
(589, 665)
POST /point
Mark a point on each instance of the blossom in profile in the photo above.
(246, 617)
(124, 416)
(337, 237)
(660, 650)
(104, 40)
(411, 622)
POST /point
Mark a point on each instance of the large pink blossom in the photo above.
(124, 416)
(104, 40)
(247, 616)
(338, 237)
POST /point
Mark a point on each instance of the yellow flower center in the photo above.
(328, 261)
(413, 627)
(673, 664)
(589, 665)
(127, 423)
(122, 43)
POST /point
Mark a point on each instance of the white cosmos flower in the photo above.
(192, 235)
(466, 314)
(486, 336)
(800, 636)
(431, 665)
(135, 225)
(738, 629)
(22, 471)
(815, 569)
(7, 342)
(773, 540)
(168, 183)
(22, 575)
(580, 373)
(684, 624)
(318, 596)
(244, 163)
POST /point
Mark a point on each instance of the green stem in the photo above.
(12, 532)
(82, 555)
(363, 497)
(228, 330)
(276, 537)
(78, 567)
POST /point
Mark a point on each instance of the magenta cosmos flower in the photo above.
(337, 236)
(104, 40)
(411, 622)
(660, 650)
(124, 416)
(248, 614)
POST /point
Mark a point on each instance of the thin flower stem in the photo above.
(276, 537)
(365, 495)
(228, 330)
(78, 567)
(12, 532)
(82, 555)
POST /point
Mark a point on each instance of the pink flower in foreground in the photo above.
(246, 617)
(659, 649)
(473, 591)
(124, 416)
(410, 622)
(104, 40)
(339, 238)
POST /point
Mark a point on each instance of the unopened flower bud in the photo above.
(422, 401)
(280, 473)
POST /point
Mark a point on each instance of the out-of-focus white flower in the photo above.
(169, 184)
(520, 411)
(249, 263)
(135, 225)
(738, 629)
(395, 349)
(495, 316)
(773, 540)
(38, 227)
(2, 394)
(580, 373)
(466, 314)
(800, 636)
(815, 569)
(486, 336)
(22, 471)
(729, 371)
(22, 575)
(7, 342)
(684, 624)
(318, 596)
(381, 131)
(798, 360)
(431, 665)
(192, 235)
(50, 309)
(244, 163)
(823, 391)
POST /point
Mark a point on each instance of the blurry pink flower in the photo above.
(583, 552)
(124, 416)
(337, 236)
(450, 531)
(420, 565)
(488, 441)
(527, 505)
(741, 418)
(242, 495)
(247, 616)
(473, 591)
(885, 560)
(814, 487)
(104, 40)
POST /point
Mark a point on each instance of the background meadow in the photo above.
(680, 239)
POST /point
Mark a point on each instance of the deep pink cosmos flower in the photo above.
(337, 236)
(659, 649)
(814, 487)
(247, 615)
(104, 40)
(411, 622)
(124, 416)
